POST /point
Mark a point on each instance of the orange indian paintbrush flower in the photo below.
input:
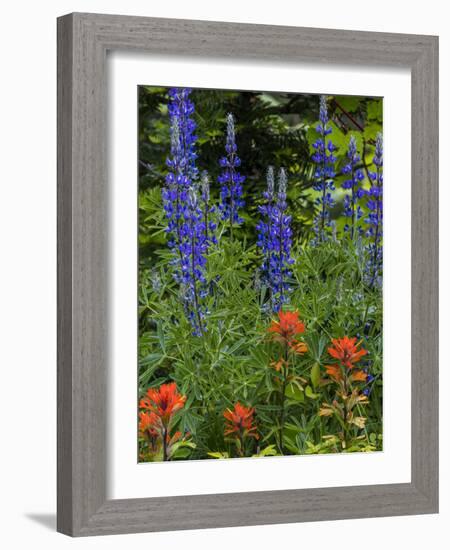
(239, 421)
(299, 347)
(287, 328)
(149, 424)
(163, 402)
(358, 376)
(150, 428)
(346, 351)
(288, 325)
(334, 371)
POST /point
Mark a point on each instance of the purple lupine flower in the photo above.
(351, 207)
(181, 108)
(369, 385)
(264, 227)
(207, 209)
(193, 261)
(324, 173)
(375, 218)
(185, 218)
(230, 179)
(278, 245)
(174, 192)
(181, 162)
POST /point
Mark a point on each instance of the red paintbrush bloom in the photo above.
(358, 376)
(278, 365)
(149, 424)
(287, 327)
(298, 347)
(163, 402)
(346, 351)
(239, 422)
(334, 371)
(150, 428)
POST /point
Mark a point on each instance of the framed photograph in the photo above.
(247, 274)
(250, 284)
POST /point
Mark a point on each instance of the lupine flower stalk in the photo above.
(264, 227)
(181, 108)
(174, 193)
(230, 179)
(193, 250)
(280, 244)
(324, 173)
(375, 217)
(181, 162)
(351, 207)
(185, 218)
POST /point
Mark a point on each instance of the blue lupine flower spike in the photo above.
(231, 180)
(264, 227)
(186, 227)
(275, 240)
(181, 162)
(324, 173)
(352, 209)
(375, 219)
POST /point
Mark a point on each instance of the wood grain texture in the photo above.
(425, 272)
(64, 328)
(83, 40)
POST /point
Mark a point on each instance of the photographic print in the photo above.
(260, 274)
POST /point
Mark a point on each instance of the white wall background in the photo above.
(28, 270)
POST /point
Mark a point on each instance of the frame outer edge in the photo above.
(250, 40)
(425, 273)
(90, 267)
(82, 268)
(64, 275)
(261, 508)
(83, 294)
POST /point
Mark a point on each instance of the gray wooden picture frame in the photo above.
(83, 41)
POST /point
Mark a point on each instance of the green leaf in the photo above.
(219, 454)
(310, 393)
(295, 392)
(182, 452)
(349, 103)
(371, 131)
(375, 110)
(315, 375)
(268, 451)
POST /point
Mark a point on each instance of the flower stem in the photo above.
(280, 259)
(353, 204)
(324, 189)
(231, 197)
(283, 399)
(376, 237)
(194, 281)
(206, 221)
(165, 458)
